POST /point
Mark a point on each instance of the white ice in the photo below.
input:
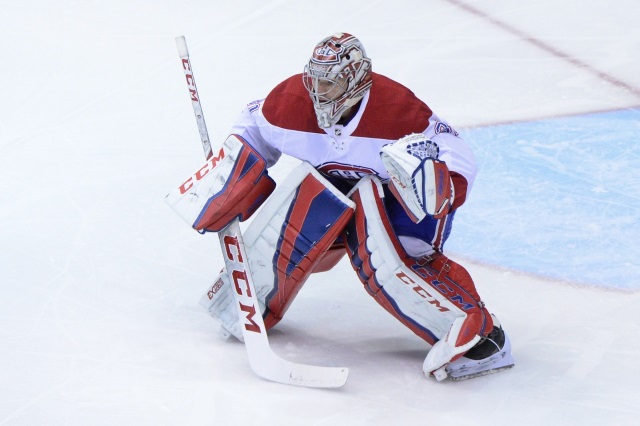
(99, 321)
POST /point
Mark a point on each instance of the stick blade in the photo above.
(318, 377)
(271, 367)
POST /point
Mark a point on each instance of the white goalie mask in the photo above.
(337, 76)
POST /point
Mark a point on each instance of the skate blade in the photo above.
(481, 373)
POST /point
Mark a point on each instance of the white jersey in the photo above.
(285, 122)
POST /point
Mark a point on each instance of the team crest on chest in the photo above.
(346, 171)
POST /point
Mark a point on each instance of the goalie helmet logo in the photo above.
(328, 53)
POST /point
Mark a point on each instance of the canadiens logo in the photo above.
(328, 53)
(329, 50)
(333, 49)
(346, 171)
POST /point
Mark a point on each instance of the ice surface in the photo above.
(100, 322)
(558, 198)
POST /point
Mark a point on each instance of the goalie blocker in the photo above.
(233, 183)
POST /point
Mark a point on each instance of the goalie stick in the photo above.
(263, 361)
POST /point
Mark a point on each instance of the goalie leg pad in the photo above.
(233, 183)
(316, 216)
(434, 300)
(285, 243)
(331, 258)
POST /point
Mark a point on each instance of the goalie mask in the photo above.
(337, 76)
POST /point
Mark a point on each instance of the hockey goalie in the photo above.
(381, 179)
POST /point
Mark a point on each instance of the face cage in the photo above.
(330, 93)
(326, 87)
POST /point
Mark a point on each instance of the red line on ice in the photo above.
(547, 48)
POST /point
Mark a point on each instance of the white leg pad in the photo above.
(403, 288)
(285, 241)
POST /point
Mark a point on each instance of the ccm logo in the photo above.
(204, 170)
(186, 65)
(241, 282)
(421, 291)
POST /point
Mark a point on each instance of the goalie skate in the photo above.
(467, 367)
